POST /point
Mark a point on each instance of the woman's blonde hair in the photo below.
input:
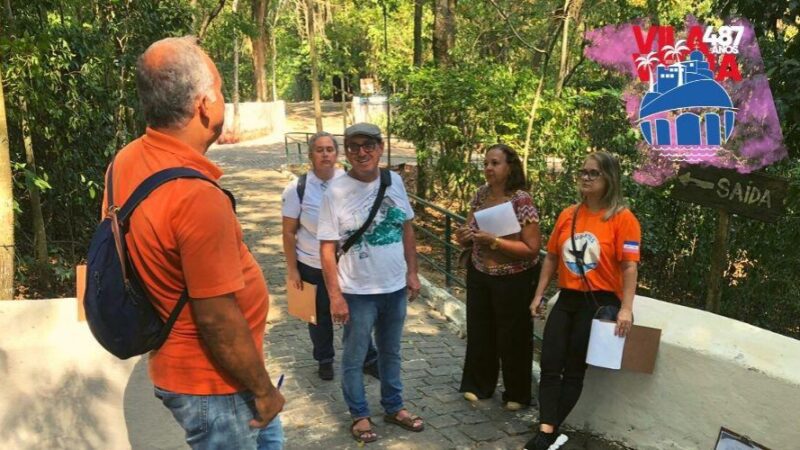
(610, 170)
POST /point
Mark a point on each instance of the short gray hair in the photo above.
(321, 134)
(167, 90)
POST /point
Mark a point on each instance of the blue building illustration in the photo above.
(702, 111)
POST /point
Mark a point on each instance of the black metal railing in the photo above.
(442, 237)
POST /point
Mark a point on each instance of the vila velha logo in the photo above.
(698, 96)
(686, 114)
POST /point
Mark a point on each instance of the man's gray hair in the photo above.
(169, 88)
(321, 134)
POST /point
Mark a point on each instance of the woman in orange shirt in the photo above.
(595, 250)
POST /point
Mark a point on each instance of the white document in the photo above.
(500, 220)
(605, 349)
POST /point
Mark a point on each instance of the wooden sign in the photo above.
(367, 86)
(753, 195)
(80, 290)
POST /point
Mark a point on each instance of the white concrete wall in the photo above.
(60, 389)
(266, 117)
(371, 109)
(711, 371)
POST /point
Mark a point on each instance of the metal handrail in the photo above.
(450, 276)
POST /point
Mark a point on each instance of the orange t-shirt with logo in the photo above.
(605, 245)
(186, 235)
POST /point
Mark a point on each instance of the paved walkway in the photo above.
(315, 415)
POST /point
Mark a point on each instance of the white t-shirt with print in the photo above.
(308, 213)
(375, 264)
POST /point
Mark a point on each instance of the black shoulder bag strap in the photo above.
(386, 181)
(301, 186)
(579, 254)
(579, 260)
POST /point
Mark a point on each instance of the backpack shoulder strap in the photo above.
(386, 177)
(301, 186)
(109, 187)
(154, 181)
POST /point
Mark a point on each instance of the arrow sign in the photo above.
(686, 178)
(753, 195)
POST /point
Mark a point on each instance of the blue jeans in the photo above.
(221, 421)
(322, 333)
(386, 313)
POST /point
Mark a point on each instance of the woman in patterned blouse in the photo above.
(501, 271)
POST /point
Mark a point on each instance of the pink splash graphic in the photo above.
(612, 47)
(756, 141)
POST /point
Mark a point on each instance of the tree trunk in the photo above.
(719, 260)
(344, 104)
(235, 128)
(206, 22)
(39, 235)
(6, 206)
(422, 173)
(418, 32)
(259, 53)
(274, 65)
(385, 28)
(572, 12)
(312, 45)
(537, 99)
(195, 24)
(444, 31)
(562, 69)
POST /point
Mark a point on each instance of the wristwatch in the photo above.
(495, 243)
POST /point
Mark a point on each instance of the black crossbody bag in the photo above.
(386, 181)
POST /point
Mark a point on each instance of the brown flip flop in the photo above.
(363, 436)
(406, 422)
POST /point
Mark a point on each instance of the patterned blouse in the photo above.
(522, 203)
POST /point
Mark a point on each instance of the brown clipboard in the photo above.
(302, 304)
(641, 349)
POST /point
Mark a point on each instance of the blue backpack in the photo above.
(120, 315)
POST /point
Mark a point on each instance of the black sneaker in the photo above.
(326, 371)
(372, 369)
(542, 441)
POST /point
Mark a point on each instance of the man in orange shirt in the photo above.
(185, 236)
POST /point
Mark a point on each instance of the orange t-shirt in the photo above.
(607, 244)
(185, 234)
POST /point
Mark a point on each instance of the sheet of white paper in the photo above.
(499, 220)
(605, 349)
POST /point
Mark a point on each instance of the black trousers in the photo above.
(499, 334)
(566, 339)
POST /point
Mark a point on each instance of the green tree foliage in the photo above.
(72, 63)
(451, 115)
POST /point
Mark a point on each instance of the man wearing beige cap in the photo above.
(365, 217)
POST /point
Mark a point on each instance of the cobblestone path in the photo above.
(315, 415)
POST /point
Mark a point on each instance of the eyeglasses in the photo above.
(368, 147)
(324, 149)
(590, 174)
